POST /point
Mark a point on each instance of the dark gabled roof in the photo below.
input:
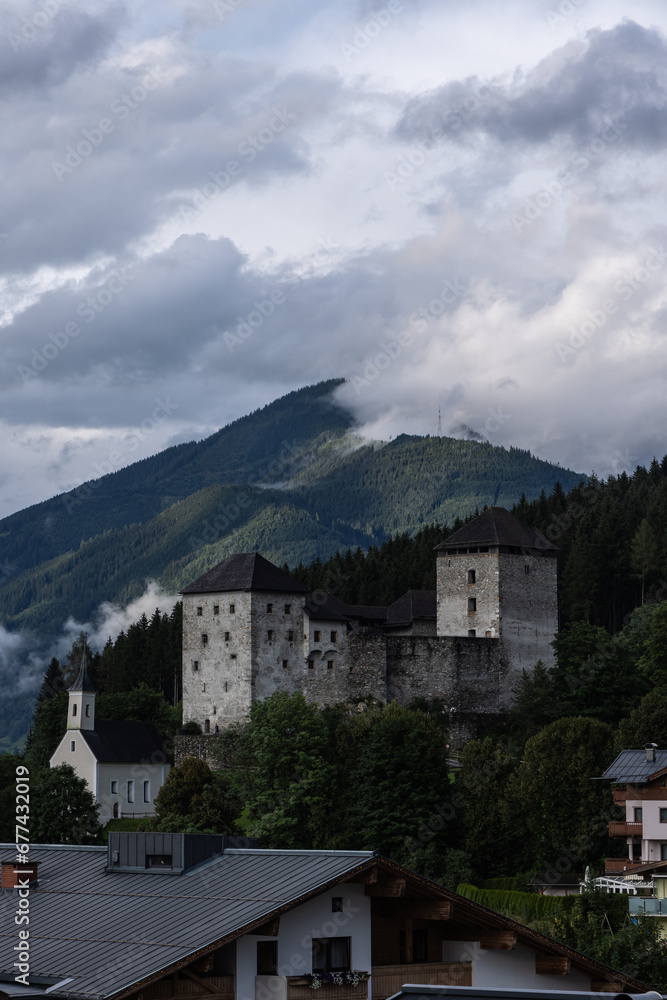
(85, 923)
(414, 604)
(244, 571)
(322, 606)
(556, 879)
(496, 526)
(82, 681)
(368, 611)
(631, 767)
(124, 742)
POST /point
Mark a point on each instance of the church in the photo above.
(250, 629)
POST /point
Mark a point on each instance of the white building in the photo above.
(124, 763)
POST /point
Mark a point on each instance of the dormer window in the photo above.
(159, 860)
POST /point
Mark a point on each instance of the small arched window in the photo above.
(74, 709)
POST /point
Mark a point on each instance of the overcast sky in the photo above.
(455, 205)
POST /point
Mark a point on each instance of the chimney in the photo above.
(650, 752)
(14, 875)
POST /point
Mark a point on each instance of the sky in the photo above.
(456, 205)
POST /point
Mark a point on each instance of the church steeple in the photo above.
(81, 709)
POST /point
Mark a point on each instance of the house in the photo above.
(250, 629)
(557, 883)
(124, 763)
(158, 916)
(639, 779)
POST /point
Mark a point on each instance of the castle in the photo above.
(250, 629)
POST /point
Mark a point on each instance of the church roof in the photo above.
(244, 571)
(124, 742)
(83, 681)
(497, 526)
(414, 604)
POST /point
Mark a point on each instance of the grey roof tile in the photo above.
(244, 571)
(497, 526)
(632, 768)
(124, 742)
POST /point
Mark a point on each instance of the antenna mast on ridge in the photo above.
(439, 424)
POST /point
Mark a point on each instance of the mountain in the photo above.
(291, 480)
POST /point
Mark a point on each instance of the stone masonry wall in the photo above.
(454, 592)
(529, 608)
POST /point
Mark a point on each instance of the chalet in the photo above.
(158, 916)
(123, 763)
(639, 779)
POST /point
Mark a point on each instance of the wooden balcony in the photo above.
(299, 988)
(388, 979)
(612, 865)
(621, 828)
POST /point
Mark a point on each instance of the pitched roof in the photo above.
(497, 526)
(124, 742)
(82, 681)
(323, 607)
(414, 604)
(85, 922)
(244, 571)
(632, 767)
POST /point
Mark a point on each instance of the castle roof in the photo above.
(497, 526)
(414, 604)
(244, 571)
(82, 681)
(124, 742)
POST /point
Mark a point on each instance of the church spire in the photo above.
(81, 709)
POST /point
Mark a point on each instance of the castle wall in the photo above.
(529, 607)
(454, 593)
(277, 643)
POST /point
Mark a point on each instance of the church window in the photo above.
(72, 745)
(334, 636)
(216, 609)
(147, 791)
(471, 576)
(130, 790)
(87, 711)
(195, 665)
(204, 638)
(200, 612)
(472, 604)
(74, 709)
(114, 787)
(317, 636)
(330, 664)
(288, 609)
(232, 609)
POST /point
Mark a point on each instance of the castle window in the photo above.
(269, 608)
(269, 635)
(215, 709)
(203, 687)
(130, 790)
(72, 746)
(226, 636)
(285, 664)
(288, 609)
(334, 636)
(317, 636)
(311, 664)
(472, 604)
(114, 787)
(526, 570)
(207, 726)
(233, 656)
(329, 664)
(290, 636)
(204, 638)
(471, 576)
(74, 709)
(200, 612)
(216, 609)
(195, 665)
(471, 633)
(226, 687)
(232, 609)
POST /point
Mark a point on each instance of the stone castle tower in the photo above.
(250, 629)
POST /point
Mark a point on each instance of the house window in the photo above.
(159, 861)
(472, 604)
(130, 790)
(471, 576)
(147, 791)
(329, 664)
(232, 609)
(216, 609)
(285, 664)
(663, 782)
(204, 638)
(472, 633)
(334, 636)
(74, 709)
(269, 635)
(269, 608)
(72, 746)
(663, 815)
(288, 609)
(195, 665)
(200, 612)
(419, 947)
(336, 904)
(331, 954)
(87, 711)
(267, 958)
(290, 636)
(317, 636)
(227, 636)
(638, 815)
(311, 664)
(113, 788)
